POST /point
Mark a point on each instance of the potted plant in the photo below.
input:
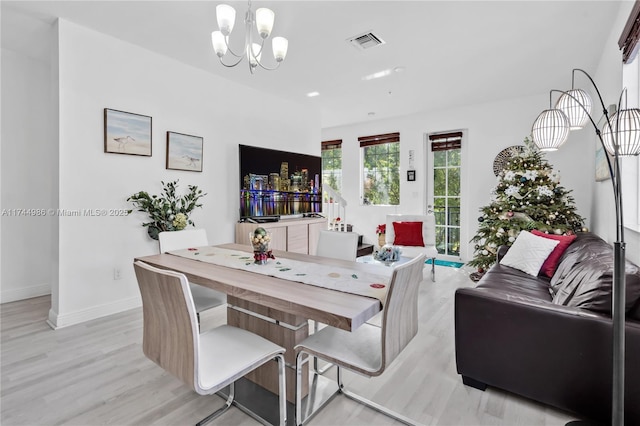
(167, 211)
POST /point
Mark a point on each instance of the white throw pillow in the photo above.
(528, 252)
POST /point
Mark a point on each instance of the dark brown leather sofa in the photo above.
(551, 339)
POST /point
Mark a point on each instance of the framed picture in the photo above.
(411, 175)
(602, 168)
(127, 133)
(184, 152)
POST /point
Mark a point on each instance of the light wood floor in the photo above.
(95, 373)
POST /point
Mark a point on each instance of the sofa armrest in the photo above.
(502, 250)
(554, 354)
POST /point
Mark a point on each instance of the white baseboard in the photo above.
(11, 295)
(57, 320)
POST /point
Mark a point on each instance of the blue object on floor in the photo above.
(445, 263)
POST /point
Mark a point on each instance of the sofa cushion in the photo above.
(549, 266)
(584, 277)
(408, 234)
(528, 252)
(511, 280)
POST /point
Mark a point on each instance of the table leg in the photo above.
(279, 327)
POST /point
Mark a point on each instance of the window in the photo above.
(630, 166)
(446, 163)
(332, 164)
(380, 169)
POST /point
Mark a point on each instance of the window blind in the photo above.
(334, 144)
(379, 139)
(628, 41)
(446, 141)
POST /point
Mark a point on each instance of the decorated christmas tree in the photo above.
(528, 196)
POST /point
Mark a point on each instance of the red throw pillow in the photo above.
(408, 234)
(549, 266)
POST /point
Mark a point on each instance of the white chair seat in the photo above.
(358, 350)
(205, 298)
(227, 353)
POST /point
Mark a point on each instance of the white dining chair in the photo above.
(335, 245)
(206, 362)
(203, 297)
(368, 350)
(428, 229)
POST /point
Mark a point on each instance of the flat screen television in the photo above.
(276, 184)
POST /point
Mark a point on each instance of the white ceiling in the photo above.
(454, 52)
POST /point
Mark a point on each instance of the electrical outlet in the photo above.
(117, 274)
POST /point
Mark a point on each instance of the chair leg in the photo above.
(299, 364)
(389, 413)
(317, 370)
(225, 407)
(341, 389)
(433, 269)
(282, 389)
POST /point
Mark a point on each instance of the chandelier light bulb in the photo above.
(550, 130)
(255, 54)
(625, 127)
(219, 43)
(226, 18)
(576, 104)
(264, 21)
(280, 46)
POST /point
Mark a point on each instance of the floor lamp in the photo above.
(620, 137)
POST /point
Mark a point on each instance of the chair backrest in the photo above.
(400, 316)
(337, 245)
(428, 227)
(170, 331)
(177, 240)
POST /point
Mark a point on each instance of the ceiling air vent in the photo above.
(365, 41)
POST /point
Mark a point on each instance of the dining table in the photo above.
(279, 307)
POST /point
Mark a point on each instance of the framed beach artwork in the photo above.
(184, 152)
(127, 133)
(602, 168)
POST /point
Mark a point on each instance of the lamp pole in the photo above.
(618, 297)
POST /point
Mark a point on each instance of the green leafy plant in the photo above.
(167, 211)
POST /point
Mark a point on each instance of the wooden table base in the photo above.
(279, 327)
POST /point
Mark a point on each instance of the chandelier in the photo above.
(253, 46)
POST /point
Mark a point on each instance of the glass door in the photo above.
(444, 191)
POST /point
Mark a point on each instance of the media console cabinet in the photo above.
(295, 235)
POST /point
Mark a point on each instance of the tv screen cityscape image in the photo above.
(279, 183)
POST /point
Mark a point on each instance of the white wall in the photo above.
(608, 77)
(97, 71)
(489, 128)
(28, 177)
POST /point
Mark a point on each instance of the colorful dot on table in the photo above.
(378, 285)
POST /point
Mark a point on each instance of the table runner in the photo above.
(328, 276)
